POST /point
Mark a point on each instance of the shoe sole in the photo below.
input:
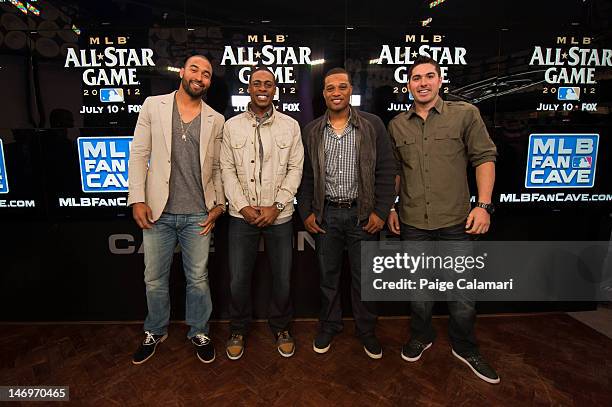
(481, 376)
(408, 359)
(372, 355)
(163, 338)
(207, 361)
(234, 357)
(286, 355)
(320, 350)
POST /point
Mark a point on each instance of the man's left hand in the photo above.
(268, 215)
(375, 224)
(478, 221)
(209, 223)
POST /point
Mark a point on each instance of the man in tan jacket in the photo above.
(176, 195)
(261, 167)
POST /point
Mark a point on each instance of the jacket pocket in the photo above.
(238, 148)
(283, 142)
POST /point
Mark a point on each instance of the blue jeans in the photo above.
(343, 230)
(159, 245)
(462, 312)
(243, 245)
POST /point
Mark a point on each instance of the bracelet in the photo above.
(392, 209)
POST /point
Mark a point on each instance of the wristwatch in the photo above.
(490, 208)
(280, 206)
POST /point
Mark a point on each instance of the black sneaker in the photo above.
(147, 347)
(413, 350)
(372, 347)
(322, 342)
(204, 348)
(479, 366)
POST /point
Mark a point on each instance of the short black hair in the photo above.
(421, 60)
(338, 70)
(260, 69)
(204, 57)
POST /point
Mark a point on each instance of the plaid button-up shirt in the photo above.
(340, 163)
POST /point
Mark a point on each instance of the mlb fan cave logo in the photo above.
(104, 163)
(3, 183)
(561, 160)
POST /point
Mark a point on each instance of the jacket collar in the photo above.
(268, 117)
(353, 117)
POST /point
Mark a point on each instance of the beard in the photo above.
(190, 91)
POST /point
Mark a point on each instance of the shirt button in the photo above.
(427, 203)
(426, 154)
(168, 161)
(425, 139)
(425, 216)
(252, 161)
(426, 170)
(252, 180)
(252, 199)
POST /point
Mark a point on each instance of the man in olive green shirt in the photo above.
(434, 143)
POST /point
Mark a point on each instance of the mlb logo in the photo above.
(561, 160)
(3, 182)
(104, 163)
(109, 95)
(568, 93)
(582, 162)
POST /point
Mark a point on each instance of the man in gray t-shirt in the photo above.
(176, 195)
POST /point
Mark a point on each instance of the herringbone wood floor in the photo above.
(546, 359)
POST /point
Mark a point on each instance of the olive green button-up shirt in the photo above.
(433, 156)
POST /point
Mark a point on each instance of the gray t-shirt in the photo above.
(186, 194)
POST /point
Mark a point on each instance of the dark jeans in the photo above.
(243, 245)
(343, 230)
(462, 312)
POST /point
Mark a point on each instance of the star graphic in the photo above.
(100, 56)
(414, 54)
(564, 55)
(257, 54)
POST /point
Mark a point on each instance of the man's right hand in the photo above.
(142, 215)
(393, 222)
(250, 214)
(310, 223)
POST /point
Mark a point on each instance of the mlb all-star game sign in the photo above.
(277, 53)
(111, 86)
(570, 73)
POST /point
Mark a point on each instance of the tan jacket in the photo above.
(152, 144)
(281, 170)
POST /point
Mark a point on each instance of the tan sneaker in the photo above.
(235, 347)
(285, 344)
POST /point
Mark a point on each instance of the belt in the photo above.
(342, 203)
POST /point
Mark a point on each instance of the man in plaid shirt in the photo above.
(346, 192)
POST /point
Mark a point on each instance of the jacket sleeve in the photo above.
(140, 152)
(305, 193)
(231, 183)
(386, 170)
(216, 166)
(295, 164)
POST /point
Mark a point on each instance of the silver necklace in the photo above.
(183, 130)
